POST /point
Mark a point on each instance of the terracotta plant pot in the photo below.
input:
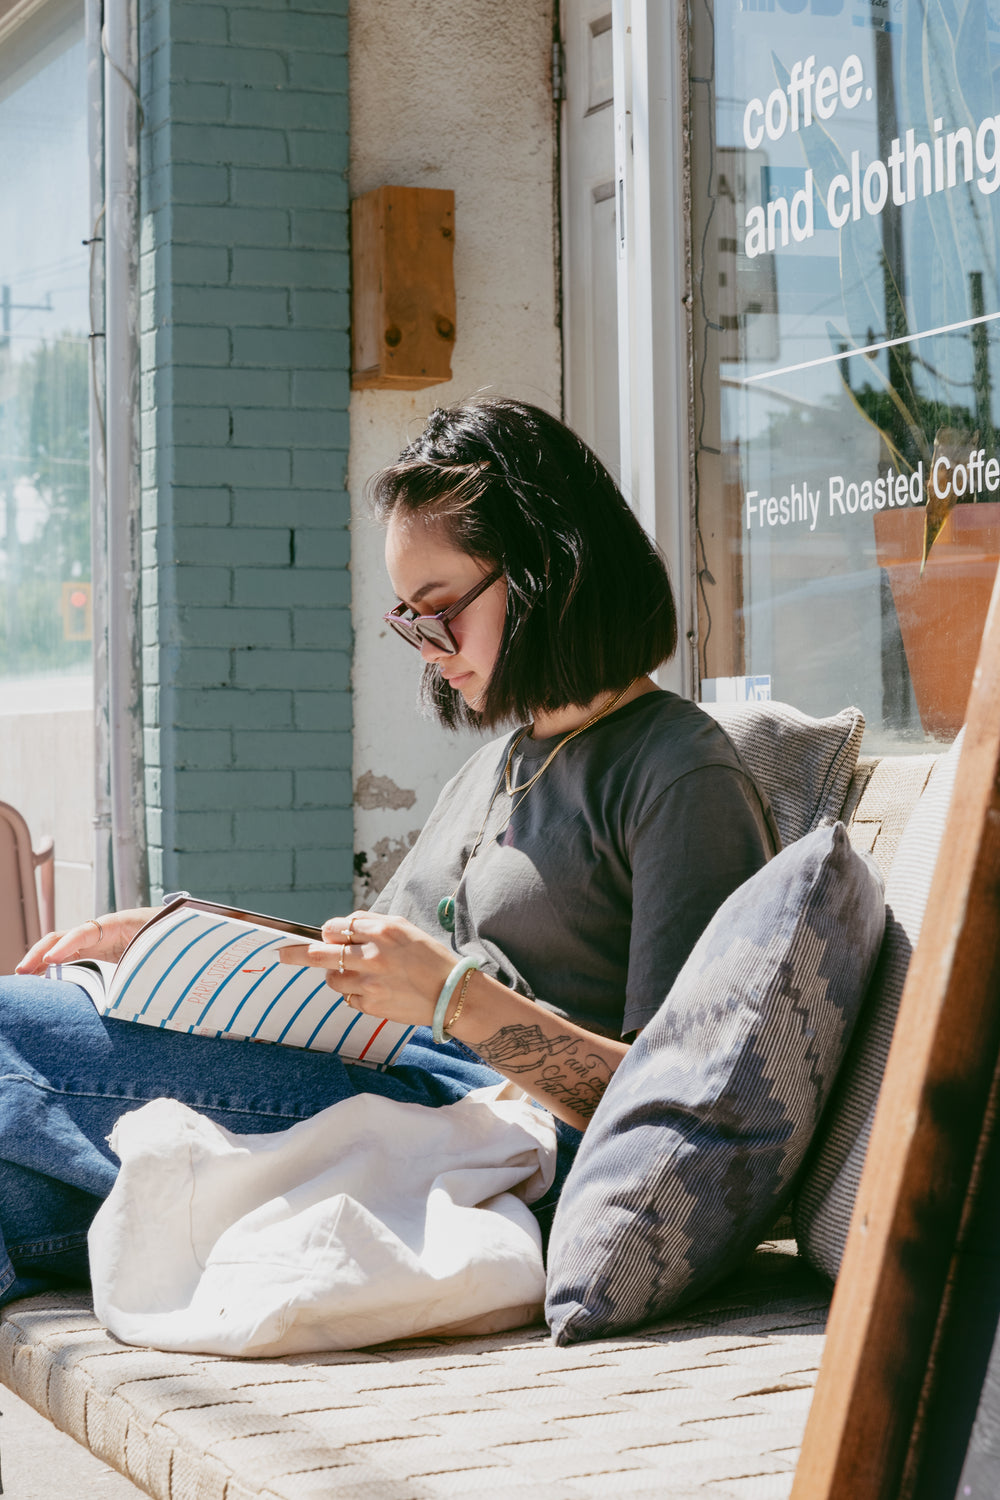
(941, 615)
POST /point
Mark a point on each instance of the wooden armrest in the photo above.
(46, 850)
(43, 859)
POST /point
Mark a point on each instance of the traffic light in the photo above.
(77, 614)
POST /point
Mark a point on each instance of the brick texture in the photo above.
(243, 406)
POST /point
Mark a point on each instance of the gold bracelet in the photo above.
(461, 1001)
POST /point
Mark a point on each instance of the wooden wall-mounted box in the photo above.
(403, 295)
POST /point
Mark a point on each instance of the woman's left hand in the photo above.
(382, 965)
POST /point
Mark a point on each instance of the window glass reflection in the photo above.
(45, 601)
(846, 166)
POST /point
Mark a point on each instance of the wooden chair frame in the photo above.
(927, 1126)
(39, 915)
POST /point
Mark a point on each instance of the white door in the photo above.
(590, 310)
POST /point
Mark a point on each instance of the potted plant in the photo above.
(941, 560)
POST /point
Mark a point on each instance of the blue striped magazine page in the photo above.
(214, 971)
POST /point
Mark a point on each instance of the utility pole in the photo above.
(982, 384)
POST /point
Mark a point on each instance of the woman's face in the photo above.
(428, 573)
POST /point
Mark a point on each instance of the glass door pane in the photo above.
(45, 600)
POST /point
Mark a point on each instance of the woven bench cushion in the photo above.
(710, 1406)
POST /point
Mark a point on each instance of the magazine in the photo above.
(214, 971)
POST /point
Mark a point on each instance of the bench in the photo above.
(715, 1398)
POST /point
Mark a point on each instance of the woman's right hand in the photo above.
(85, 941)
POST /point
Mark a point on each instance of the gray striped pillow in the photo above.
(802, 765)
(826, 1193)
(695, 1144)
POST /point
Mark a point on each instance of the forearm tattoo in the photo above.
(565, 1067)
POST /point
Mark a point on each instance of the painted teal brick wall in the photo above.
(244, 391)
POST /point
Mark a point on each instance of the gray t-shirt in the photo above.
(590, 898)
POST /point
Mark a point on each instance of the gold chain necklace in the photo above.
(446, 906)
(527, 785)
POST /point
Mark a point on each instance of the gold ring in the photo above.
(348, 932)
(343, 952)
(94, 922)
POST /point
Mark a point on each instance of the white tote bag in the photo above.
(373, 1220)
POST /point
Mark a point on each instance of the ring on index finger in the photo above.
(343, 954)
(349, 932)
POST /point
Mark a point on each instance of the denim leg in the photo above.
(66, 1075)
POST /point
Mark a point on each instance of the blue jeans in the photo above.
(66, 1075)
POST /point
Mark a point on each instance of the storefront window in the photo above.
(45, 613)
(845, 173)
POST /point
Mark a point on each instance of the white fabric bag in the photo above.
(374, 1220)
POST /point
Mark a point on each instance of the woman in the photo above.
(569, 866)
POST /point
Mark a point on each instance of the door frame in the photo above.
(652, 204)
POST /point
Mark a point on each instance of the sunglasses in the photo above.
(434, 629)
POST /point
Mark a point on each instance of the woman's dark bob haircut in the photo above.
(589, 606)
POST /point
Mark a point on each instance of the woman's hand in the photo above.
(385, 966)
(86, 941)
(382, 965)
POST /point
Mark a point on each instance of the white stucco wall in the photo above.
(47, 772)
(445, 93)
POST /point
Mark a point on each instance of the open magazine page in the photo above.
(199, 969)
(91, 974)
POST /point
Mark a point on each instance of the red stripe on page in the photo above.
(378, 1028)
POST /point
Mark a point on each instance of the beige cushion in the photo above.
(803, 765)
(829, 1187)
(880, 799)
